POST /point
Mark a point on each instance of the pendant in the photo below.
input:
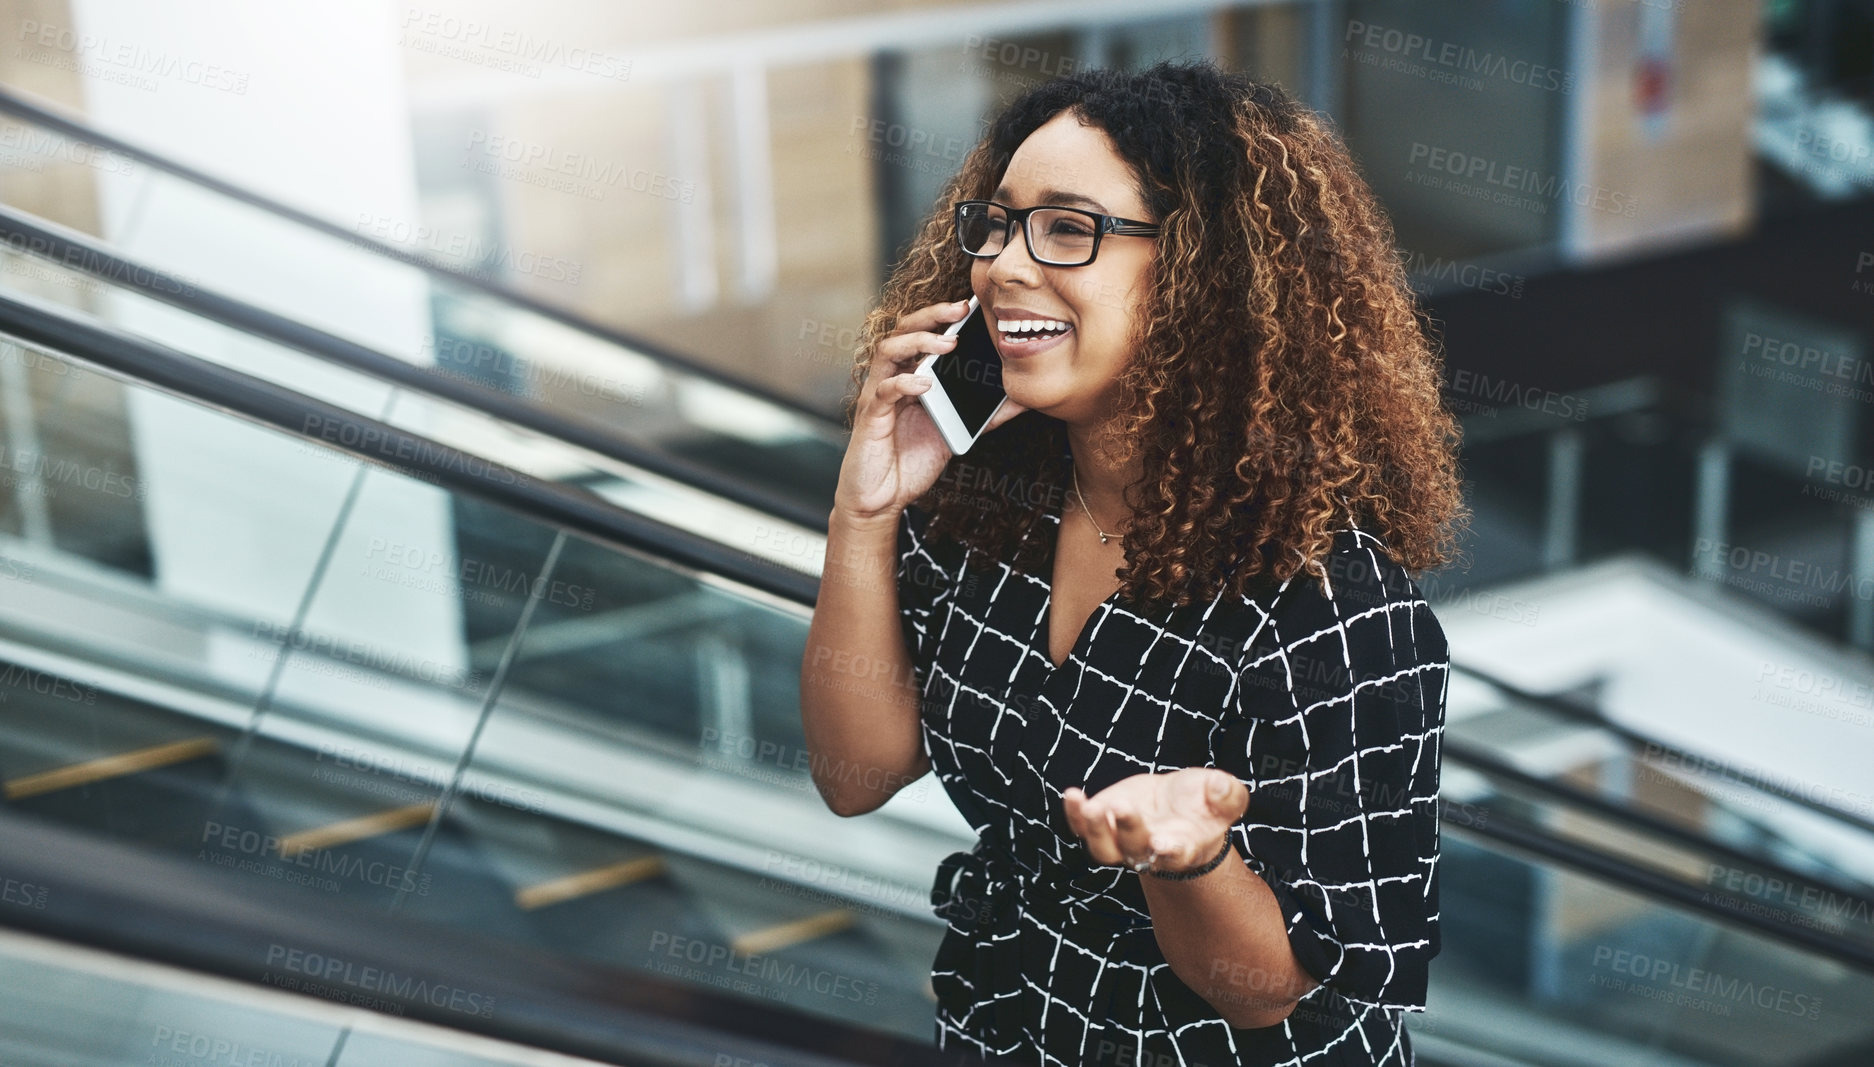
(1102, 539)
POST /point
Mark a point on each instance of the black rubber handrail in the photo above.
(257, 400)
(1493, 766)
(1721, 906)
(46, 114)
(570, 507)
(1567, 708)
(144, 904)
(68, 248)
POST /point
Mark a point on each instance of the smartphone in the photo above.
(966, 382)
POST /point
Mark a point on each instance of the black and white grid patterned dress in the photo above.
(1329, 708)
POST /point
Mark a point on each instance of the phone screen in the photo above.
(971, 374)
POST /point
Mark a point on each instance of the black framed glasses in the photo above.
(1056, 236)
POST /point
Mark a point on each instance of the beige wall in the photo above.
(626, 243)
(799, 339)
(1693, 183)
(53, 188)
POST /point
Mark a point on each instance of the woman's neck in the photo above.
(1102, 481)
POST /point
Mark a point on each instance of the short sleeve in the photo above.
(1334, 724)
(928, 573)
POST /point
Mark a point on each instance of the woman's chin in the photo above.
(1029, 398)
(1030, 389)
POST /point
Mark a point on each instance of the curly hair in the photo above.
(1282, 382)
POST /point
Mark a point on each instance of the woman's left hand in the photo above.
(1181, 815)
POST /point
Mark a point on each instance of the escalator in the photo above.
(508, 748)
(543, 796)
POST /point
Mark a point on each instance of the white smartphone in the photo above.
(966, 382)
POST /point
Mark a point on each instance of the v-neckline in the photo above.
(1047, 603)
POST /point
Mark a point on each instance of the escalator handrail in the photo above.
(44, 113)
(141, 903)
(1491, 765)
(574, 508)
(57, 329)
(1587, 715)
(68, 248)
(1660, 886)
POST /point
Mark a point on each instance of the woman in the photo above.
(1156, 631)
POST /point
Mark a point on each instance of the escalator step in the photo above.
(585, 883)
(105, 768)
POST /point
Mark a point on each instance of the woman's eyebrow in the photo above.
(1057, 196)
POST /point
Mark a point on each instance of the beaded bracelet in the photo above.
(1179, 876)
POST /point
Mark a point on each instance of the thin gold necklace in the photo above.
(1083, 504)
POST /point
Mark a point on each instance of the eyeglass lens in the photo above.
(1060, 236)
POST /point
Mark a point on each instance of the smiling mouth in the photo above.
(1021, 340)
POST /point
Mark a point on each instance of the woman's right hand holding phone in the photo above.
(896, 453)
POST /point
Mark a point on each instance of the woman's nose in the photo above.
(1014, 261)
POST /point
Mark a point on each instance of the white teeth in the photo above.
(1030, 325)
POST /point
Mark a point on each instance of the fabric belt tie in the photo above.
(983, 894)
